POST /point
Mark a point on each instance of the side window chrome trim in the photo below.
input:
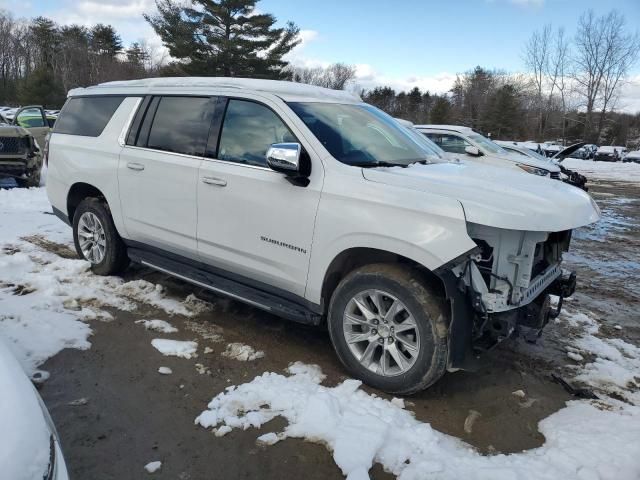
(125, 130)
(146, 149)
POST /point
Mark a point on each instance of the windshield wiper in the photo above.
(377, 164)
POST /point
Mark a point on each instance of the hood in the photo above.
(562, 154)
(497, 197)
(533, 162)
(13, 131)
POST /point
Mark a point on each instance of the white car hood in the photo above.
(497, 197)
(24, 441)
(534, 162)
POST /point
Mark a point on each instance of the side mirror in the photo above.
(473, 151)
(285, 158)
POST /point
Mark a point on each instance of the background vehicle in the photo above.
(568, 176)
(475, 147)
(20, 157)
(608, 153)
(633, 156)
(312, 205)
(29, 445)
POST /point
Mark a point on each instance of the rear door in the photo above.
(35, 121)
(158, 171)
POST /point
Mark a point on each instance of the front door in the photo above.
(35, 121)
(158, 173)
(251, 220)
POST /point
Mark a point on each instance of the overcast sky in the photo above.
(399, 43)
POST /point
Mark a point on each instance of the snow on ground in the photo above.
(583, 440)
(165, 371)
(242, 352)
(41, 292)
(153, 467)
(175, 348)
(161, 326)
(620, 171)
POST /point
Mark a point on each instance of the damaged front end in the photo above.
(504, 287)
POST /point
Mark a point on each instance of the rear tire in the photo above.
(389, 328)
(96, 238)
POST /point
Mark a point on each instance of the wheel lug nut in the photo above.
(381, 340)
(374, 321)
(390, 339)
(374, 331)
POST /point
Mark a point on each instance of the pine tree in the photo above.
(441, 110)
(105, 41)
(224, 38)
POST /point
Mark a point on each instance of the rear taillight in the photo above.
(45, 152)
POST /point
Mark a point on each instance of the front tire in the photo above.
(96, 238)
(389, 328)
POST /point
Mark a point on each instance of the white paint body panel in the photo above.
(519, 201)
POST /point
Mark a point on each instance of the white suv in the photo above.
(312, 205)
(465, 141)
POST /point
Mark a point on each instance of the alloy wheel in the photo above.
(381, 332)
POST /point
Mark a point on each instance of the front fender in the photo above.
(428, 229)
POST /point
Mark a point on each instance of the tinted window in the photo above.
(87, 116)
(181, 125)
(248, 131)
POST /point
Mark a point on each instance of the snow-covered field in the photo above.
(49, 299)
(614, 171)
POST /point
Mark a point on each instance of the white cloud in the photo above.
(368, 78)
(528, 3)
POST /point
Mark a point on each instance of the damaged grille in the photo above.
(11, 145)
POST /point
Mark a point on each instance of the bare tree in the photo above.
(536, 57)
(603, 55)
(336, 76)
(558, 65)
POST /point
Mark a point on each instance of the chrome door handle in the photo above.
(214, 181)
(135, 166)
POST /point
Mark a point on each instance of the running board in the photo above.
(223, 286)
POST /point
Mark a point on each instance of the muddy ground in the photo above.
(133, 415)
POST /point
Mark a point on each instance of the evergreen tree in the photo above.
(441, 111)
(41, 88)
(105, 41)
(224, 38)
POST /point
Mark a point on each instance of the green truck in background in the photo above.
(22, 141)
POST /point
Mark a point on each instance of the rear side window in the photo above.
(87, 116)
(248, 131)
(181, 125)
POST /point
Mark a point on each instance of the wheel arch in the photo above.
(78, 192)
(356, 257)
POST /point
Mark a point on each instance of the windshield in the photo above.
(362, 135)
(487, 144)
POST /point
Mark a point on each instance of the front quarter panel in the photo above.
(356, 213)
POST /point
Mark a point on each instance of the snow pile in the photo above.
(615, 369)
(616, 171)
(175, 348)
(158, 326)
(153, 467)
(360, 429)
(242, 352)
(46, 293)
(165, 371)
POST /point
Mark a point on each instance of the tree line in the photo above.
(570, 89)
